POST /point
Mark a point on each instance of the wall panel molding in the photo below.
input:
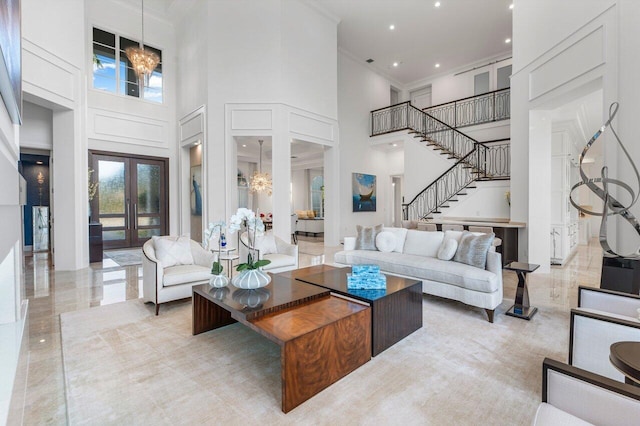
(48, 76)
(252, 119)
(127, 128)
(585, 54)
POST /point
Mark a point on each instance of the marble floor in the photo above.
(52, 292)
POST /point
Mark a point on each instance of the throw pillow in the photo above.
(473, 249)
(386, 241)
(265, 243)
(172, 251)
(401, 236)
(366, 238)
(447, 249)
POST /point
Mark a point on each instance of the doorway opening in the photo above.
(131, 200)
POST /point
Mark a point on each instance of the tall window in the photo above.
(317, 196)
(114, 74)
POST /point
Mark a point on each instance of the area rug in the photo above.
(124, 365)
(125, 257)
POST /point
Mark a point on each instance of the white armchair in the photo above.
(573, 396)
(602, 318)
(283, 256)
(190, 264)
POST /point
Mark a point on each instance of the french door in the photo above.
(131, 202)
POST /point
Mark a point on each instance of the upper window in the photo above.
(113, 73)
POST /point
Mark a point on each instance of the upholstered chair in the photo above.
(283, 256)
(574, 396)
(603, 317)
(171, 266)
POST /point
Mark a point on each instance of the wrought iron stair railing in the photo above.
(485, 108)
(476, 161)
(436, 133)
(487, 161)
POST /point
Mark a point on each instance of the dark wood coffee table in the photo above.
(322, 337)
(625, 356)
(395, 312)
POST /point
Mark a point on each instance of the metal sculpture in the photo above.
(611, 206)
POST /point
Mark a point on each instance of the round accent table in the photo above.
(625, 356)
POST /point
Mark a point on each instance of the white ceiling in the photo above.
(457, 33)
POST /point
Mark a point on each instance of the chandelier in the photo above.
(142, 61)
(260, 182)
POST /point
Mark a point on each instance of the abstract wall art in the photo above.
(364, 192)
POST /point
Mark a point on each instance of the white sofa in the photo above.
(161, 284)
(417, 258)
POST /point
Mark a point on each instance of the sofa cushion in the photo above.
(473, 249)
(279, 260)
(547, 414)
(386, 241)
(171, 251)
(400, 235)
(266, 242)
(423, 243)
(447, 249)
(183, 274)
(366, 238)
(424, 268)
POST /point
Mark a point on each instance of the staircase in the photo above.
(474, 160)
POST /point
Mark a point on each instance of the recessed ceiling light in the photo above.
(437, 4)
(395, 64)
(42, 340)
(395, 144)
(392, 27)
(244, 145)
(437, 65)
(507, 40)
(39, 162)
(511, 6)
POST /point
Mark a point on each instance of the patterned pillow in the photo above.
(473, 249)
(366, 238)
(172, 251)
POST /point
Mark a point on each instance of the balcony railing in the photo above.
(485, 108)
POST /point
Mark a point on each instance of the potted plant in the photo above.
(219, 278)
(251, 276)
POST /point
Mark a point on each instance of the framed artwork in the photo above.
(196, 190)
(364, 192)
(11, 58)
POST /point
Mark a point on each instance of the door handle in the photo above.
(135, 216)
(128, 215)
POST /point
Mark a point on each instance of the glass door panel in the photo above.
(131, 202)
(148, 211)
(112, 200)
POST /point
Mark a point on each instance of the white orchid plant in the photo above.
(251, 221)
(214, 228)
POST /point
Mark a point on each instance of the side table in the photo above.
(625, 356)
(225, 254)
(521, 308)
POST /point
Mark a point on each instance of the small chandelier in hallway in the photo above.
(142, 61)
(261, 182)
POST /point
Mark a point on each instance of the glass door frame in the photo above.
(131, 215)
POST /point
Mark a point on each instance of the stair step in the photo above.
(471, 187)
(462, 193)
(444, 206)
(452, 200)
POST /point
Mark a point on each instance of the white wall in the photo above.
(450, 87)
(273, 51)
(486, 201)
(360, 91)
(564, 50)
(37, 127)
